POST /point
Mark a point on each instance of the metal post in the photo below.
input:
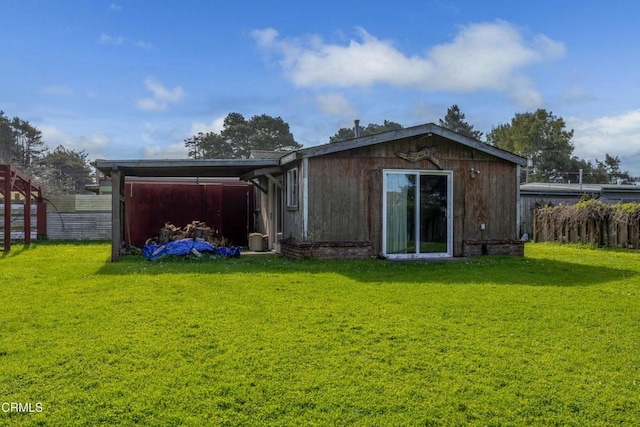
(581, 179)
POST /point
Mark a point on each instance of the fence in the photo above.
(592, 222)
(79, 217)
(17, 221)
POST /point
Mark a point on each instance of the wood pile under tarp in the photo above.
(194, 238)
(197, 230)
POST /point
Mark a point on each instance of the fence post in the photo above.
(7, 207)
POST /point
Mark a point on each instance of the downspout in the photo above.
(305, 199)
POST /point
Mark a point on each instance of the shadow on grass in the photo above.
(480, 270)
(16, 249)
(19, 248)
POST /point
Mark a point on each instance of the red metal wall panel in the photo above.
(223, 206)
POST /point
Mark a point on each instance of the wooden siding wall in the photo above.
(261, 210)
(79, 217)
(345, 192)
(292, 216)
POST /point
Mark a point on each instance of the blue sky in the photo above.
(133, 79)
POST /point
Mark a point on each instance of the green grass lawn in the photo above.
(549, 339)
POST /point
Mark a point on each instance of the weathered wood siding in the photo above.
(345, 192)
(79, 225)
(292, 216)
(79, 217)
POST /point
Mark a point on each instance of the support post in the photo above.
(42, 219)
(7, 208)
(27, 214)
(117, 213)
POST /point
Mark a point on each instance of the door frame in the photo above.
(449, 214)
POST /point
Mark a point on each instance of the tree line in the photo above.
(61, 171)
(540, 136)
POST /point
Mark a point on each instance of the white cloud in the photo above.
(336, 104)
(615, 135)
(161, 96)
(107, 39)
(113, 7)
(484, 56)
(216, 126)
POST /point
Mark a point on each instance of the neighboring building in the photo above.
(418, 192)
(536, 195)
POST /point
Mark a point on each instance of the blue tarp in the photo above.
(154, 251)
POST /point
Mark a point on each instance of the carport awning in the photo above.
(186, 168)
(214, 168)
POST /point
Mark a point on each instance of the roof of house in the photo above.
(560, 189)
(427, 130)
(267, 154)
(185, 167)
(262, 162)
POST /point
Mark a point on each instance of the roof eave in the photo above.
(428, 130)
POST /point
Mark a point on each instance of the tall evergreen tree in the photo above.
(69, 170)
(20, 143)
(541, 137)
(28, 140)
(455, 121)
(240, 136)
(371, 129)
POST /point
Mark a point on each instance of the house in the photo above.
(412, 193)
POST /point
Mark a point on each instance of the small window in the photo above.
(292, 188)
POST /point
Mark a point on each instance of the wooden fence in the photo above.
(594, 223)
(79, 217)
(17, 221)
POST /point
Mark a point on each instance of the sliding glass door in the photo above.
(417, 208)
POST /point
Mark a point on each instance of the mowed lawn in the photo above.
(549, 339)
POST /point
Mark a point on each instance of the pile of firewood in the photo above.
(195, 230)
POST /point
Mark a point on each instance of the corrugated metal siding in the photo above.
(225, 206)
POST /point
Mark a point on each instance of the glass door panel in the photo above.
(433, 214)
(401, 213)
(417, 213)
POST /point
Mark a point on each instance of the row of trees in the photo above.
(542, 138)
(59, 171)
(240, 136)
(538, 136)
